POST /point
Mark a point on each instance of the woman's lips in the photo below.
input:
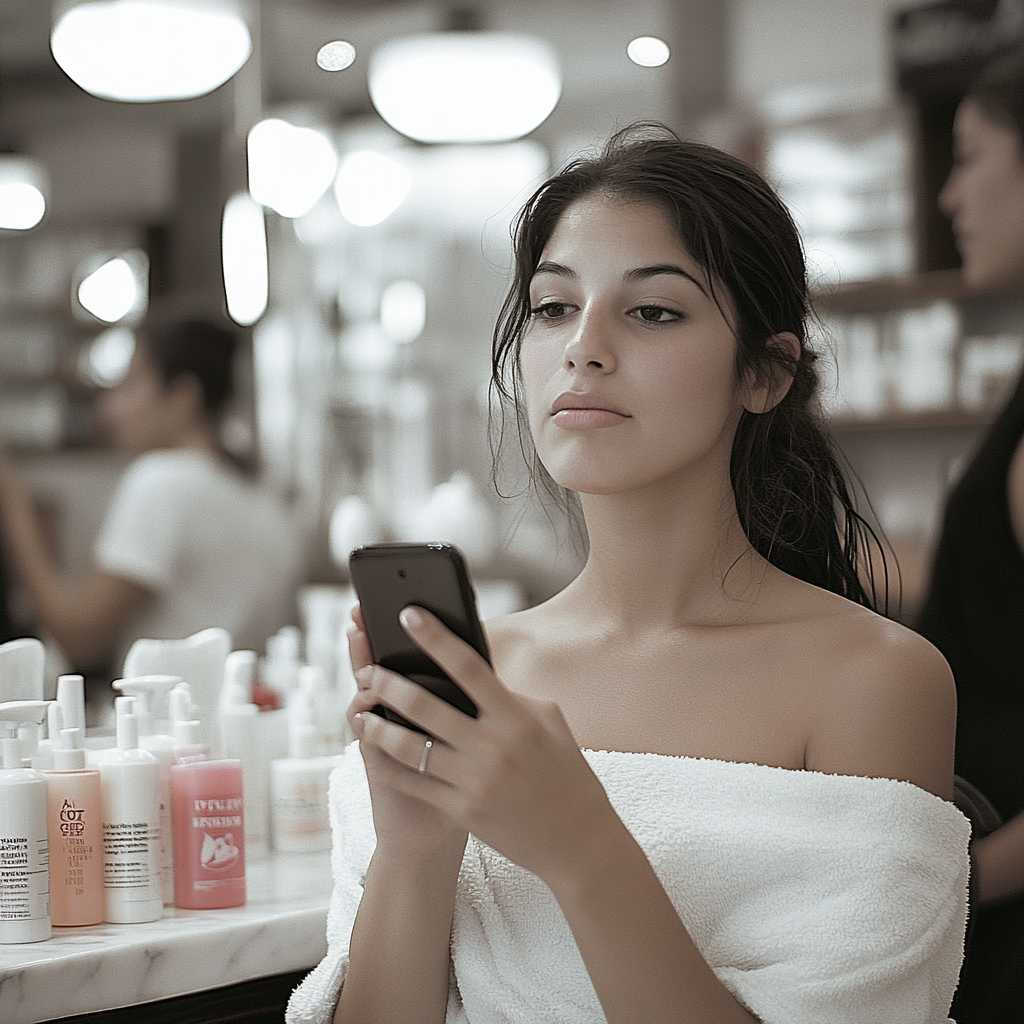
(585, 419)
(573, 410)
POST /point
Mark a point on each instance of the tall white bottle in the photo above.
(129, 788)
(240, 738)
(152, 692)
(24, 844)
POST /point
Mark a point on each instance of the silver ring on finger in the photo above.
(428, 743)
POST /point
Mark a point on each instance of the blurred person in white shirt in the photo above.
(190, 540)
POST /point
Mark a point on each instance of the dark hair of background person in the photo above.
(194, 344)
(791, 493)
(999, 91)
(185, 338)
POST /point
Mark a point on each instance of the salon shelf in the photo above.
(930, 420)
(102, 969)
(895, 293)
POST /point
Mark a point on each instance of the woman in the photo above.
(975, 605)
(730, 843)
(187, 542)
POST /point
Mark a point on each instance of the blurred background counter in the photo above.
(277, 936)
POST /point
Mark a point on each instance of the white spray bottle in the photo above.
(24, 843)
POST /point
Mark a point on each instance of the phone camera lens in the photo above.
(401, 574)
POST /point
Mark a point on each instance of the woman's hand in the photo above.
(405, 825)
(514, 776)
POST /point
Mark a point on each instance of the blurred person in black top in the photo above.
(974, 610)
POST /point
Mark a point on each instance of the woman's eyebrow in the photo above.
(548, 267)
(631, 276)
(642, 273)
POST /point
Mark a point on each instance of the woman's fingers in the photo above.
(358, 643)
(462, 663)
(425, 761)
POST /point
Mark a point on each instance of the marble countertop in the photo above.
(281, 928)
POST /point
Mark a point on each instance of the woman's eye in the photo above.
(657, 314)
(550, 310)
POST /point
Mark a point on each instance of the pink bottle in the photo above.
(209, 834)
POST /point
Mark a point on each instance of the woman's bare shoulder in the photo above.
(885, 701)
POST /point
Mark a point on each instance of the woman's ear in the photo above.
(762, 395)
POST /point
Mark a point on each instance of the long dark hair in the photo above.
(791, 493)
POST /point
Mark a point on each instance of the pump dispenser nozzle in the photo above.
(150, 691)
(13, 714)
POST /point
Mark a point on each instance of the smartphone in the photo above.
(388, 578)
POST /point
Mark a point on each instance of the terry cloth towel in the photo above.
(816, 899)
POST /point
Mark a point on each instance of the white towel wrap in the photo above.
(816, 899)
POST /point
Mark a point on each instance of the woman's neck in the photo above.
(667, 559)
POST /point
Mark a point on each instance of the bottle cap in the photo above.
(71, 698)
(69, 756)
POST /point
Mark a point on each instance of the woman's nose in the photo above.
(590, 348)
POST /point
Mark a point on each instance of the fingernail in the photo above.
(358, 722)
(411, 617)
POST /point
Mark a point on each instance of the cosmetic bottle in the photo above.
(42, 759)
(298, 785)
(129, 787)
(240, 738)
(198, 659)
(24, 844)
(281, 665)
(151, 693)
(186, 727)
(75, 825)
(209, 834)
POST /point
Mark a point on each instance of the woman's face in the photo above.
(984, 197)
(140, 414)
(628, 364)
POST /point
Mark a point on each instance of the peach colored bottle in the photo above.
(209, 834)
(75, 828)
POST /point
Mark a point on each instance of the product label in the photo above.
(24, 878)
(130, 854)
(77, 850)
(218, 820)
(301, 808)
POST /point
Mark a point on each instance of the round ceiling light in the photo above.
(464, 86)
(336, 55)
(370, 187)
(648, 51)
(22, 192)
(290, 168)
(116, 288)
(143, 51)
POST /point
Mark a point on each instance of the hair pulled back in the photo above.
(187, 340)
(791, 493)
